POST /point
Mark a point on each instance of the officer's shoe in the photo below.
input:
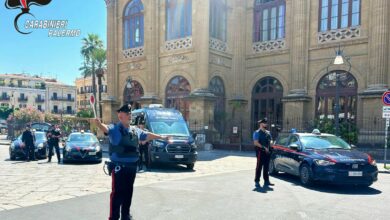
(257, 185)
(268, 183)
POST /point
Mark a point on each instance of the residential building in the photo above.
(84, 92)
(44, 94)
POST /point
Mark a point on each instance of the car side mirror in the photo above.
(294, 146)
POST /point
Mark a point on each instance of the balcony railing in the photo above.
(39, 100)
(62, 99)
(5, 98)
(22, 99)
(66, 112)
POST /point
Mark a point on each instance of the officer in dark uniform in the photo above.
(53, 136)
(262, 141)
(28, 139)
(124, 156)
(143, 145)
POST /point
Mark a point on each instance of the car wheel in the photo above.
(272, 170)
(190, 166)
(306, 175)
(12, 157)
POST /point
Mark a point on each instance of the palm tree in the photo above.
(90, 44)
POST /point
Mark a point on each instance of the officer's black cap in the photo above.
(126, 108)
(264, 120)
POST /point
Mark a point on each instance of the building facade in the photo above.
(228, 63)
(84, 92)
(46, 95)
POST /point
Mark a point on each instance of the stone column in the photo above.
(152, 51)
(238, 102)
(201, 99)
(110, 104)
(239, 42)
(297, 98)
(201, 20)
(379, 46)
(377, 76)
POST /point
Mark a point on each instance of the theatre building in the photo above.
(227, 63)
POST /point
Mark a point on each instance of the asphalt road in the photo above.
(227, 196)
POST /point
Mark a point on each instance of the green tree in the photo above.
(27, 115)
(91, 43)
(85, 113)
(5, 112)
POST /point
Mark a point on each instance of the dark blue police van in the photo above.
(180, 148)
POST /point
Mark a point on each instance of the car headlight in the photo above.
(97, 148)
(67, 148)
(324, 162)
(371, 161)
(158, 143)
(40, 146)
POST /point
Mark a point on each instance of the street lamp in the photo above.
(340, 59)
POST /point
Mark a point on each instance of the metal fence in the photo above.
(363, 132)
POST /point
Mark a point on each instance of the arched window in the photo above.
(267, 101)
(218, 19)
(178, 18)
(133, 94)
(217, 87)
(336, 14)
(326, 95)
(133, 25)
(178, 88)
(269, 20)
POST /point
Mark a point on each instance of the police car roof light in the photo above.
(316, 131)
(155, 106)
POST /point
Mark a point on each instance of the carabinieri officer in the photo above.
(262, 142)
(124, 156)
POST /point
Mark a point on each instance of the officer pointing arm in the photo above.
(124, 156)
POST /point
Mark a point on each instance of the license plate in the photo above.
(355, 173)
(92, 153)
(179, 156)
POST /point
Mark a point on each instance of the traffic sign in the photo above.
(386, 98)
(386, 112)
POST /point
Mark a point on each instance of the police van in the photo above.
(180, 148)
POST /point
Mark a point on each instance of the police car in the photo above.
(322, 157)
(82, 146)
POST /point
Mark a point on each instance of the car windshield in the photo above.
(177, 128)
(323, 142)
(82, 138)
(40, 136)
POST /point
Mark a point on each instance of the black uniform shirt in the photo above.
(28, 138)
(264, 138)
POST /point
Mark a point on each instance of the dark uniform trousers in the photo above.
(122, 192)
(262, 161)
(51, 145)
(30, 154)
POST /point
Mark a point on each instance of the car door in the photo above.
(292, 156)
(279, 154)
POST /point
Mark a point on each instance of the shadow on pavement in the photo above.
(218, 154)
(170, 168)
(330, 188)
(263, 189)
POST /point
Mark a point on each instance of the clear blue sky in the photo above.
(36, 53)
